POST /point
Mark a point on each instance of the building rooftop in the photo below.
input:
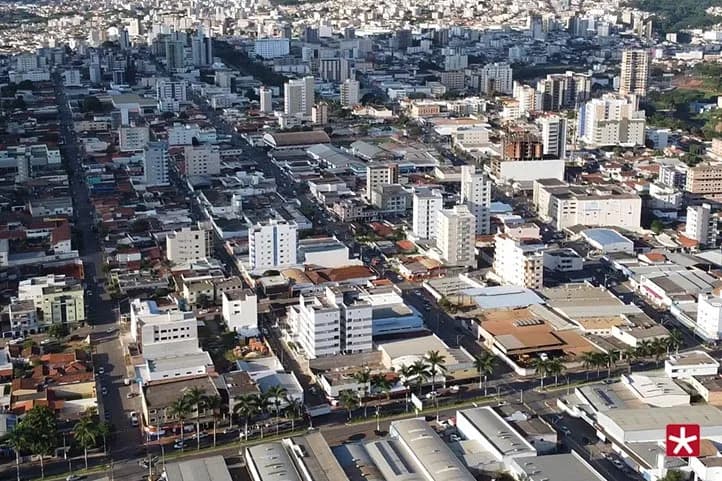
(655, 419)
(500, 297)
(163, 394)
(272, 462)
(497, 431)
(205, 469)
(557, 467)
(691, 358)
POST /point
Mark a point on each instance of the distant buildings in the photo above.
(272, 47)
(171, 94)
(202, 160)
(266, 100)
(496, 77)
(155, 164)
(456, 236)
(563, 91)
(349, 90)
(704, 180)
(701, 225)
(554, 136)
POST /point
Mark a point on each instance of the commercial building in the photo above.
(557, 467)
(456, 236)
(519, 262)
(202, 160)
(570, 205)
(350, 93)
(611, 120)
(326, 252)
(155, 164)
(701, 225)
(212, 468)
(427, 203)
(57, 298)
(634, 75)
(299, 97)
(240, 311)
(686, 365)
(272, 244)
(189, 245)
(160, 331)
(476, 195)
(608, 241)
(266, 99)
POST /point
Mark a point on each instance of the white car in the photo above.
(104, 391)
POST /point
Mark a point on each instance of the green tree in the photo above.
(657, 226)
(349, 400)
(214, 404)
(674, 476)
(293, 410)
(246, 407)
(194, 396)
(541, 366)
(363, 377)
(406, 373)
(674, 341)
(58, 330)
(180, 409)
(85, 433)
(104, 432)
(40, 433)
(275, 395)
(421, 373)
(484, 364)
(437, 365)
(555, 367)
(17, 440)
(381, 384)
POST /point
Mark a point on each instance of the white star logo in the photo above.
(683, 441)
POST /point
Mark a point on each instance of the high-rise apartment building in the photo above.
(427, 203)
(133, 139)
(350, 93)
(496, 77)
(319, 113)
(554, 136)
(174, 54)
(611, 120)
(202, 160)
(563, 91)
(701, 225)
(266, 99)
(155, 164)
(380, 174)
(705, 180)
(272, 244)
(476, 195)
(201, 49)
(456, 236)
(634, 75)
(519, 262)
(298, 96)
(171, 94)
(189, 245)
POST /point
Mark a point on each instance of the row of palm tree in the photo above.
(548, 367)
(87, 433)
(252, 405)
(194, 401)
(646, 349)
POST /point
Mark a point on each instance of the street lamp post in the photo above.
(378, 419)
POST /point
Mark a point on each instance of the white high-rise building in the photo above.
(272, 47)
(266, 99)
(350, 95)
(496, 77)
(427, 203)
(188, 245)
(380, 174)
(701, 225)
(171, 94)
(476, 195)
(155, 164)
(201, 49)
(611, 120)
(456, 236)
(709, 315)
(518, 263)
(528, 98)
(163, 332)
(240, 311)
(298, 96)
(272, 244)
(634, 75)
(328, 324)
(554, 135)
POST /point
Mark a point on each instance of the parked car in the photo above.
(180, 445)
(101, 370)
(133, 418)
(104, 391)
(72, 477)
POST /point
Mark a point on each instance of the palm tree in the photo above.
(246, 407)
(85, 433)
(484, 364)
(644, 349)
(275, 395)
(555, 367)
(659, 349)
(421, 372)
(195, 396)
(674, 341)
(589, 361)
(363, 377)
(406, 372)
(293, 406)
(180, 409)
(104, 432)
(349, 400)
(630, 355)
(541, 366)
(17, 441)
(437, 364)
(213, 403)
(381, 383)
(610, 361)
